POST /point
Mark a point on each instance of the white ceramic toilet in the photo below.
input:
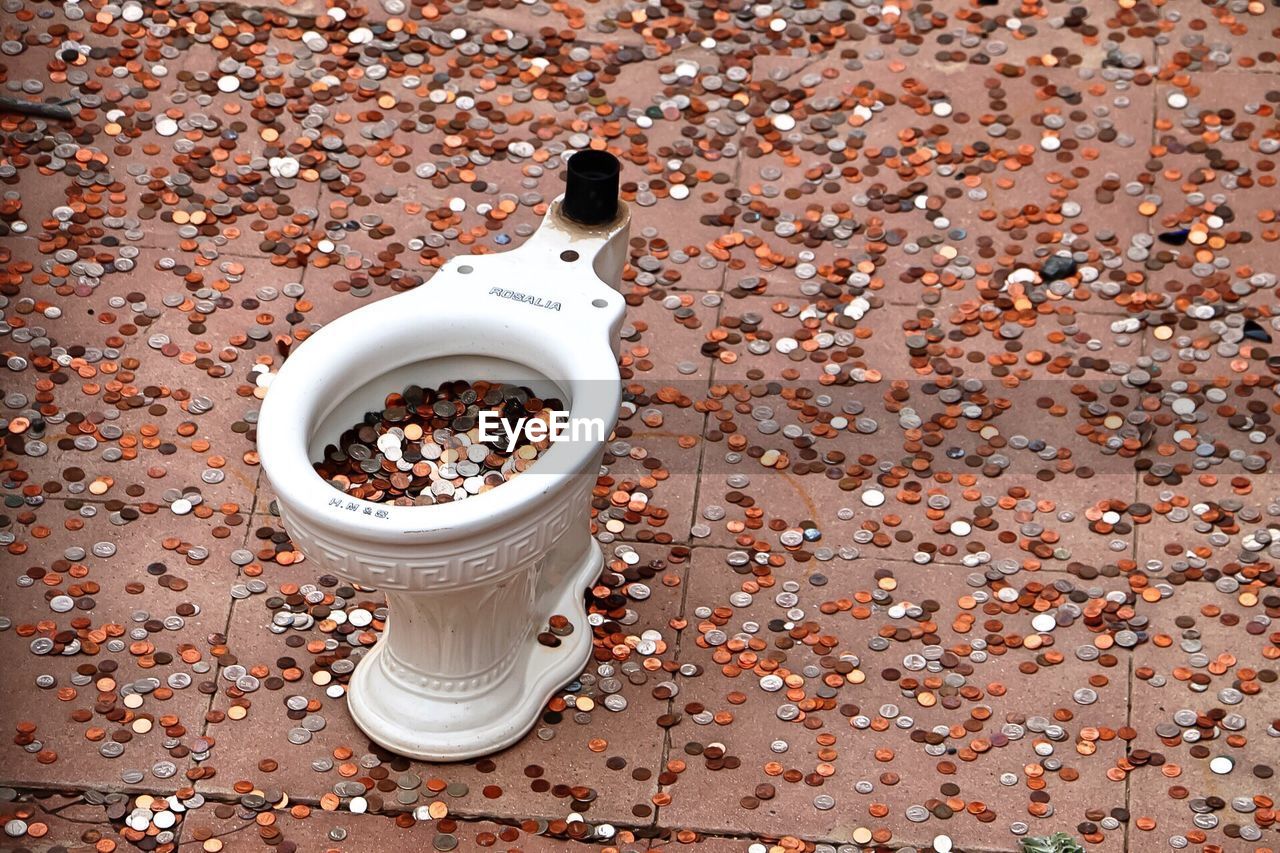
(458, 671)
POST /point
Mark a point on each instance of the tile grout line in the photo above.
(461, 816)
(671, 703)
(257, 513)
(899, 560)
(1155, 117)
(908, 563)
(226, 628)
(1128, 709)
(706, 416)
(232, 799)
(689, 543)
(1128, 778)
(466, 817)
(693, 520)
(248, 530)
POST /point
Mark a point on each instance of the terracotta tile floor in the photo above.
(941, 510)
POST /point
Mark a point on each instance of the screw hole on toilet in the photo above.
(568, 256)
(600, 303)
(464, 269)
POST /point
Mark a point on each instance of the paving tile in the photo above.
(608, 761)
(749, 768)
(86, 304)
(1089, 34)
(299, 827)
(916, 348)
(1208, 433)
(1213, 663)
(39, 822)
(697, 842)
(672, 250)
(1215, 239)
(201, 327)
(45, 201)
(1046, 375)
(931, 475)
(1216, 38)
(1235, 357)
(614, 20)
(661, 362)
(159, 459)
(890, 515)
(1100, 118)
(648, 489)
(388, 229)
(659, 448)
(127, 428)
(1215, 135)
(160, 595)
(1205, 524)
(674, 260)
(795, 201)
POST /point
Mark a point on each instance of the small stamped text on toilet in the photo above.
(349, 505)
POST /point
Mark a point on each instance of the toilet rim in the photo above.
(562, 324)
(293, 409)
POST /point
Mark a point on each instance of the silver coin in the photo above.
(1087, 653)
(917, 814)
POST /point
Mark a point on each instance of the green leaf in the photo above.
(1059, 842)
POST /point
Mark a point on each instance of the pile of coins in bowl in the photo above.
(424, 446)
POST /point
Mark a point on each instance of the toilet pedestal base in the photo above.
(395, 709)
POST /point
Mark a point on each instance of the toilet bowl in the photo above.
(459, 671)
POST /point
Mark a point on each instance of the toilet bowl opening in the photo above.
(338, 417)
